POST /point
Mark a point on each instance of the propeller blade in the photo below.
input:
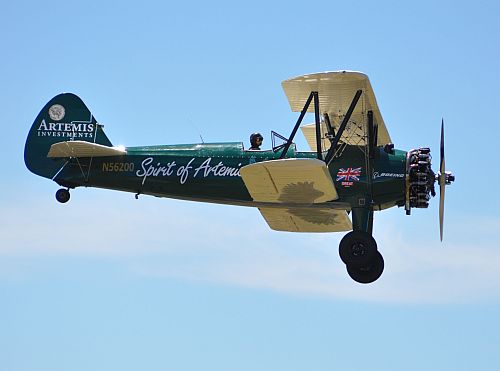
(441, 211)
(442, 182)
(442, 167)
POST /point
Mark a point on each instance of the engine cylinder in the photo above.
(419, 179)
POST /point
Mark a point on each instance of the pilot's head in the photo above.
(256, 139)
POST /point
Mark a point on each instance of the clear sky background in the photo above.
(107, 282)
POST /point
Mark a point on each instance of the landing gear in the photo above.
(357, 248)
(62, 195)
(358, 251)
(367, 273)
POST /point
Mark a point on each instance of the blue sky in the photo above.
(106, 282)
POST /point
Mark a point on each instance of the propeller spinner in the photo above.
(444, 178)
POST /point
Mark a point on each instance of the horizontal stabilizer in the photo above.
(76, 148)
(306, 219)
(301, 181)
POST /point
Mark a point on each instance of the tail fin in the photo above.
(64, 118)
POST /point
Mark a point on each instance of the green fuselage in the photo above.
(210, 173)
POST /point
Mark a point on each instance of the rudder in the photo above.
(65, 117)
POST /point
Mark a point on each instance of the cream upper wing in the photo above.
(336, 91)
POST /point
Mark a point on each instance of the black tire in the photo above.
(368, 273)
(62, 195)
(357, 248)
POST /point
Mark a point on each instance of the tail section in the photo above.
(64, 118)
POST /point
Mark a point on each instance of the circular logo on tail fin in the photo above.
(57, 112)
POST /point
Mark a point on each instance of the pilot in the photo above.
(256, 141)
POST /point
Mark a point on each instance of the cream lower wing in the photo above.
(306, 220)
(304, 181)
(298, 182)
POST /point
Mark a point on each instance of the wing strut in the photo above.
(318, 127)
(329, 155)
(372, 135)
(314, 94)
(331, 130)
(335, 140)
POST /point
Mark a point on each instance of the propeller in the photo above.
(443, 178)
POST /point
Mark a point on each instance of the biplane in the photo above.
(351, 171)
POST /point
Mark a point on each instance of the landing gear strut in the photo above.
(62, 195)
(358, 251)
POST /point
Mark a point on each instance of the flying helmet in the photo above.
(254, 137)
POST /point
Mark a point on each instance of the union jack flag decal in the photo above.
(348, 176)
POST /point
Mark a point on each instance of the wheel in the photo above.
(62, 195)
(357, 248)
(368, 273)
